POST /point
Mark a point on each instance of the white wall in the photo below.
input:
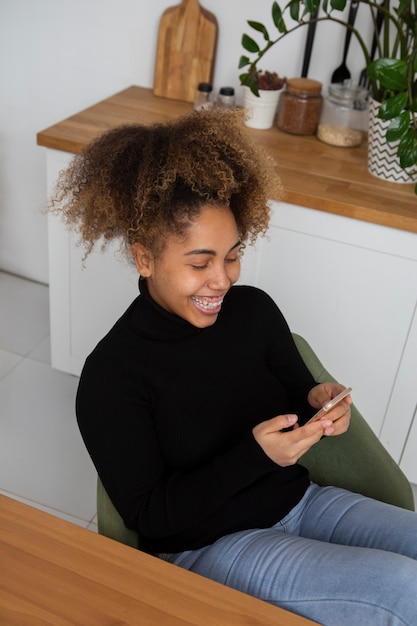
(59, 56)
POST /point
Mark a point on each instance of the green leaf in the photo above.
(248, 80)
(392, 107)
(260, 28)
(407, 149)
(295, 10)
(276, 13)
(244, 78)
(339, 5)
(311, 6)
(398, 126)
(254, 89)
(249, 44)
(277, 18)
(391, 73)
(403, 6)
(243, 61)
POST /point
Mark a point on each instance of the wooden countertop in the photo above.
(54, 573)
(315, 175)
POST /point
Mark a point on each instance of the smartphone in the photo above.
(330, 405)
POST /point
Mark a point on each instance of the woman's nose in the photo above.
(222, 277)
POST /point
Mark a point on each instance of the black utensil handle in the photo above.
(379, 20)
(309, 43)
(351, 20)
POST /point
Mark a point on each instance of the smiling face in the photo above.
(193, 274)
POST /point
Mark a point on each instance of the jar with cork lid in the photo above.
(300, 106)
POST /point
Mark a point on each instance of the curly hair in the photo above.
(139, 183)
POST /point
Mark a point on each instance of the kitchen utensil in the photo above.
(364, 80)
(342, 72)
(309, 43)
(186, 50)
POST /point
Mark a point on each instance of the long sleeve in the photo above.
(167, 416)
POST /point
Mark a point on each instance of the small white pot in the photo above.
(382, 156)
(260, 111)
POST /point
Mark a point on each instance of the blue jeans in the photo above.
(337, 558)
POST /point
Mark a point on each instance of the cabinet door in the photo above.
(399, 434)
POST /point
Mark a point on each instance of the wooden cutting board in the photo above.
(186, 50)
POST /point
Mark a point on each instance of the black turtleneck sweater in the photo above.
(166, 411)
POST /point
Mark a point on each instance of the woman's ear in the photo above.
(143, 259)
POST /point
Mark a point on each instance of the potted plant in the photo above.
(261, 97)
(392, 75)
(265, 81)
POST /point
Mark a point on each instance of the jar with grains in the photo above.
(300, 106)
(344, 115)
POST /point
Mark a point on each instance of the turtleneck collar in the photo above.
(154, 322)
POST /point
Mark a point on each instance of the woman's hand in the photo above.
(340, 415)
(287, 447)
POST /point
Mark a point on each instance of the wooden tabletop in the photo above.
(53, 573)
(315, 175)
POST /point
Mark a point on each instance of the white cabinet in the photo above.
(349, 287)
(86, 298)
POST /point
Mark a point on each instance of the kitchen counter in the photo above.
(315, 175)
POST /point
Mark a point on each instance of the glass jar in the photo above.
(226, 98)
(344, 115)
(300, 106)
(202, 97)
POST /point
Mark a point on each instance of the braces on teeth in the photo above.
(208, 305)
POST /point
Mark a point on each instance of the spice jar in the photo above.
(300, 106)
(226, 98)
(344, 115)
(202, 96)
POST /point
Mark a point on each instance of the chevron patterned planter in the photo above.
(382, 156)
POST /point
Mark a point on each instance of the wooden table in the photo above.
(315, 175)
(53, 573)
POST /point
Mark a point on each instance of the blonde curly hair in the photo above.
(139, 183)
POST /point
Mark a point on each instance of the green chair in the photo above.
(355, 460)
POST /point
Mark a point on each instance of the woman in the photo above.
(194, 406)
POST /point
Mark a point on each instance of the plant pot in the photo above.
(382, 156)
(260, 111)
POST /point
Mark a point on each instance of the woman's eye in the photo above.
(206, 265)
(199, 267)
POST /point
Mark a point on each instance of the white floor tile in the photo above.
(42, 352)
(8, 361)
(42, 456)
(24, 314)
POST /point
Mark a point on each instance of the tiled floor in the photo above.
(42, 458)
